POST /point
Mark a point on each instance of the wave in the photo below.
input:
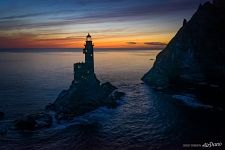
(191, 101)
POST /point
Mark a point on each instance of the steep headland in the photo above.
(194, 58)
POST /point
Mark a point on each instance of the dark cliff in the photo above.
(195, 57)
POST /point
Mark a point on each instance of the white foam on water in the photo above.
(191, 101)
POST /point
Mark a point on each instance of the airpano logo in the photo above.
(211, 144)
(205, 145)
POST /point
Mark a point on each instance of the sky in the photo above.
(148, 24)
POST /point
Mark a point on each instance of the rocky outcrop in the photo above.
(34, 121)
(194, 58)
(83, 97)
(86, 93)
(80, 98)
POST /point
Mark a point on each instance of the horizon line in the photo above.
(116, 48)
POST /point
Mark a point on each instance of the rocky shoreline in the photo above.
(193, 60)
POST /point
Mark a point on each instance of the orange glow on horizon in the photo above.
(110, 41)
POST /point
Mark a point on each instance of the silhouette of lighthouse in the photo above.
(89, 55)
(84, 71)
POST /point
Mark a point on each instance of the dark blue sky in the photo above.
(117, 23)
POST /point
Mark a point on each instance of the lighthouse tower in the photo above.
(89, 55)
(84, 71)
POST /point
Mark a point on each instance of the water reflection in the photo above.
(146, 119)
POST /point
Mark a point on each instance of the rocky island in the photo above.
(85, 94)
(194, 59)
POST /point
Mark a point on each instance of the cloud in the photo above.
(60, 22)
(23, 41)
(131, 43)
(22, 16)
(155, 43)
(95, 14)
(64, 39)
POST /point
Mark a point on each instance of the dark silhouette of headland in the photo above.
(194, 59)
(85, 94)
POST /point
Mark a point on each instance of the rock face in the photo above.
(195, 57)
(83, 97)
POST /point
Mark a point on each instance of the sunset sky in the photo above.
(112, 23)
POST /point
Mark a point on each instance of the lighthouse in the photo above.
(84, 71)
(89, 54)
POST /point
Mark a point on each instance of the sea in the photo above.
(145, 119)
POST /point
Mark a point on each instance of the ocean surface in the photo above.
(144, 120)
